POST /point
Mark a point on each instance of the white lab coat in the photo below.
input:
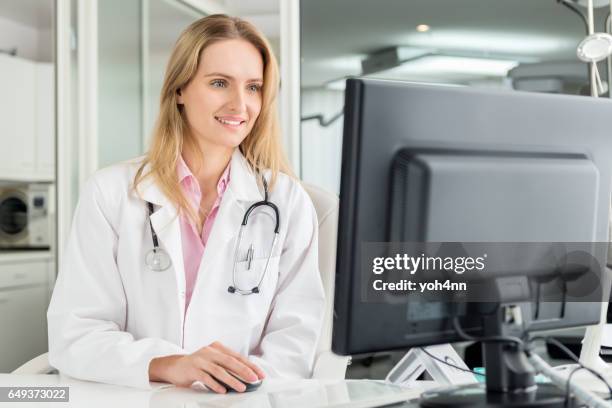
(110, 314)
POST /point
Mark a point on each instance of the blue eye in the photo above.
(218, 83)
(255, 88)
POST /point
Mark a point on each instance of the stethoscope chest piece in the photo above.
(157, 259)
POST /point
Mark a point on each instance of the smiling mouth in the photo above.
(230, 122)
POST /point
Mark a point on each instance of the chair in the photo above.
(327, 365)
(37, 365)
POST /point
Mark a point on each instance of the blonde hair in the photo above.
(261, 147)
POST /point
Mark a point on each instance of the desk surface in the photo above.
(272, 394)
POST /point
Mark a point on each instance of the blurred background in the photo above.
(80, 82)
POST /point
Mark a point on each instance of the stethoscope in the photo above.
(158, 259)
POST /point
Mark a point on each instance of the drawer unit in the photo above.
(23, 273)
(24, 298)
(23, 326)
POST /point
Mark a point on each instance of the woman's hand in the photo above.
(207, 365)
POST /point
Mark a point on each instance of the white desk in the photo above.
(272, 394)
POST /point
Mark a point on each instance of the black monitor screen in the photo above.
(424, 163)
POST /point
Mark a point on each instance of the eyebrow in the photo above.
(230, 77)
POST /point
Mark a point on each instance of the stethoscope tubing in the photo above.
(160, 252)
(233, 288)
(153, 233)
(244, 292)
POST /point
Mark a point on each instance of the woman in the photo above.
(157, 284)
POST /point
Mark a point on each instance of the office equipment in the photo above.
(479, 166)
(250, 386)
(25, 219)
(431, 359)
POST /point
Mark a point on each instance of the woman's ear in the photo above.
(179, 96)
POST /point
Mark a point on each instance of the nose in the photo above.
(238, 101)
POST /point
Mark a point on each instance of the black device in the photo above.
(447, 164)
(250, 386)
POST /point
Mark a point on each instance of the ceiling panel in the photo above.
(336, 34)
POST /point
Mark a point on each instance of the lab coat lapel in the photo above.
(166, 223)
(241, 192)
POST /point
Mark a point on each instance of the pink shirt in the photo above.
(193, 241)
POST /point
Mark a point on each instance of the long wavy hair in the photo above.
(261, 147)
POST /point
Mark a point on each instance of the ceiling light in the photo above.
(449, 66)
(427, 65)
(489, 41)
(422, 28)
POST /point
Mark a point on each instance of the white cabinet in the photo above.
(17, 112)
(23, 318)
(26, 120)
(24, 299)
(45, 121)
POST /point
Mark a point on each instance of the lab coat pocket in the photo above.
(255, 307)
(242, 318)
(257, 275)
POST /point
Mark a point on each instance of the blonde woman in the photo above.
(161, 281)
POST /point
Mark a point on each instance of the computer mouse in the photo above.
(250, 386)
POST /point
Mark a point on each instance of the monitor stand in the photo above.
(510, 378)
(419, 360)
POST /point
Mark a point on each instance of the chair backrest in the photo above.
(326, 206)
(327, 365)
(37, 365)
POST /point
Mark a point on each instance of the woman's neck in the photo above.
(214, 161)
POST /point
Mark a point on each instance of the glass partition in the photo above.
(173, 16)
(135, 39)
(119, 81)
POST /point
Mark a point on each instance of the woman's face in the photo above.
(223, 99)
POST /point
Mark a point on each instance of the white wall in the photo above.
(30, 43)
(321, 147)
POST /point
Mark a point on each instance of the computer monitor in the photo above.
(435, 163)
